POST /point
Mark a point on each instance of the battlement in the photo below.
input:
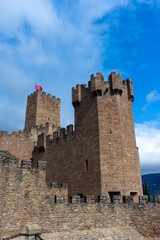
(63, 132)
(96, 84)
(20, 133)
(98, 87)
(116, 83)
(44, 95)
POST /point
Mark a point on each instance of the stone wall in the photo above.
(26, 199)
(19, 143)
(22, 143)
(24, 195)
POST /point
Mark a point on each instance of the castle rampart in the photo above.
(24, 141)
(25, 198)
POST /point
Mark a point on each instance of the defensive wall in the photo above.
(22, 143)
(25, 198)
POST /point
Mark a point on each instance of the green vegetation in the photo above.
(145, 191)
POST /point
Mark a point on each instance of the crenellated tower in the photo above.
(42, 108)
(105, 135)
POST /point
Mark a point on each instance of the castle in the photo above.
(97, 160)
(100, 156)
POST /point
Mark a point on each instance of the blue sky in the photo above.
(59, 43)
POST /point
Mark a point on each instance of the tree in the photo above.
(145, 190)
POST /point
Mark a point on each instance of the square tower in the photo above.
(42, 108)
(104, 127)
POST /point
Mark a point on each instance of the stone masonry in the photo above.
(82, 177)
(26, 199)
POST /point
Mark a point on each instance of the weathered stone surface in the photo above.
(89, 199)
(25, 198)
(103, 199)
(97, 158)
(157, 198)
(143, 199)
(122, 233)
(59, 199)
(75, 199)
(29, 232)
(127, 199)
(115, 199)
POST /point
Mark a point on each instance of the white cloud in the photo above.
(13, 78)
(148, 141)
(15, 120)
(153, 96)
(39, 14)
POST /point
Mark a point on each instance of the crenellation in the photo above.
(96, 84)
(156, 198)
(56, 135)
(130, 90)
(115, 199)
(26, 164)
(75, 199)
(3, 133)
(60, 199)
(102, 199)
(143, 199)
(62, 132)
(70, 129)
(76, 95)
(89, 199)
(44, 93)
(128, 199)
(116, 83)
(41, 165)
(41, 140)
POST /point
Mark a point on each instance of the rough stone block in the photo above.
(64, 185)
(8, 158)
(59, 199)
(102, 199)
(128, 199)
(116, 199)
(26, 164)
(143, 199)
(89, 199)
(41, 165)
(75, 199)
(156, 198)
(54, 185)
(29, 232)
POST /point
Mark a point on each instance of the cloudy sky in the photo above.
(59, 43)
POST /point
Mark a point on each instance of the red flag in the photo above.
(38, 87)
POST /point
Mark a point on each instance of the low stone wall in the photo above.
(25, 198)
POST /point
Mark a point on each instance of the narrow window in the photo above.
(86, 165)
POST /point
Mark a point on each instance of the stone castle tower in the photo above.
(42, 108)
(105, 128)
(100, 156)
